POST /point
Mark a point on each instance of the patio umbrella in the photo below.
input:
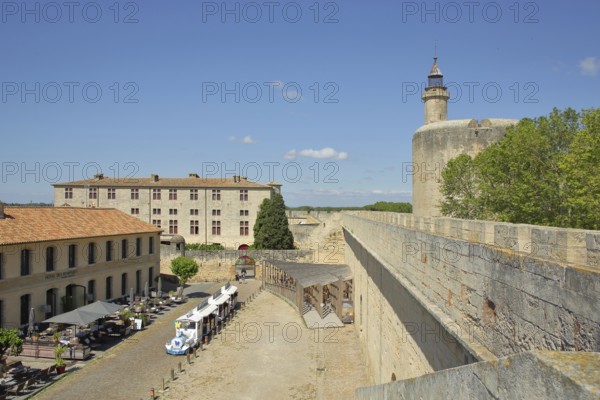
(146, 290)
(102, 307)
(31, 322)
(131, 297)
(75, 317)
(159, 286)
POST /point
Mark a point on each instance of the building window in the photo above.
(173, 227)
(216, 194)
(135, 194)
(93, 193)
(194, 228)
(72, 255)
(194, 211)
(172, 194)
(156, 211)
(138, 247)
(156, 223)
(1, 273)
(25, 262)
(124, 285)
(50, 262)
(150, 275)
(172, 211)
(109, 294)
(216, 227)
(91, 290)
(124, 251)
(155, 194)
(193, 194)
(244, 195)
(138, 281)
(244, 228)
(91, 253)
(244, 213)
(68, 193)
(135, 211)
(216, 213)
(112, 194)
(25, 307)
(109, 247)
(1, 313)
(151, 245)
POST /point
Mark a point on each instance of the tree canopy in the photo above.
(544, 172)
(184, 268)
(271, 230)
(10, 340)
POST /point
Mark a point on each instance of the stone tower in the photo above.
(440, 140)
(435, 96)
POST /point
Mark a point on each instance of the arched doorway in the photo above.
(51, 303)
(243, 247)
(75, 297)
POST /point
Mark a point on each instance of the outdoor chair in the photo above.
(31, 383)
(52, 370)
(43, 376)
(18, 388)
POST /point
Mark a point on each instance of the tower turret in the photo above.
(435, 96)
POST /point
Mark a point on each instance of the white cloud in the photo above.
(325, 152)
(589, 66)
(243, 140)
(247, 140)
(290, 155)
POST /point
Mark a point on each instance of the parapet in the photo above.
(528, 375)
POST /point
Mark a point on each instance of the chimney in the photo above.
(236, 179)
(193, 175)
(154, 177)
(99, 176)
(1, 210)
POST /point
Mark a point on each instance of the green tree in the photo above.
(544, 172)
(184, 268)
(389, 207)
(10, 340)
(460, 188)
(581, 168)
(271, 230)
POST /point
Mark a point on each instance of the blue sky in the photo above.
(320, 96)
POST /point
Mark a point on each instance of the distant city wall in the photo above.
(432, 293)
(218, 265)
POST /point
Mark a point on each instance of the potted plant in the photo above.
(56, 337)
(35, 337)
(59, 350)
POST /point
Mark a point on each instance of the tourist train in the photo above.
(202, 321)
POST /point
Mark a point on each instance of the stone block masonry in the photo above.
(488, 290)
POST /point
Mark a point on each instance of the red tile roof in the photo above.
(167, 183)
(38, 224)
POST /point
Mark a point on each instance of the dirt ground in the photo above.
(268, 353)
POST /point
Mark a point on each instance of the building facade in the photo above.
(202, 210)
(57, 259)
(439, 140)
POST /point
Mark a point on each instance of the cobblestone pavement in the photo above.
(129, 369)
(267, 352)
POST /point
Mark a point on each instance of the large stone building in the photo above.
(55, 259)
(440, 140)
(202, 210)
